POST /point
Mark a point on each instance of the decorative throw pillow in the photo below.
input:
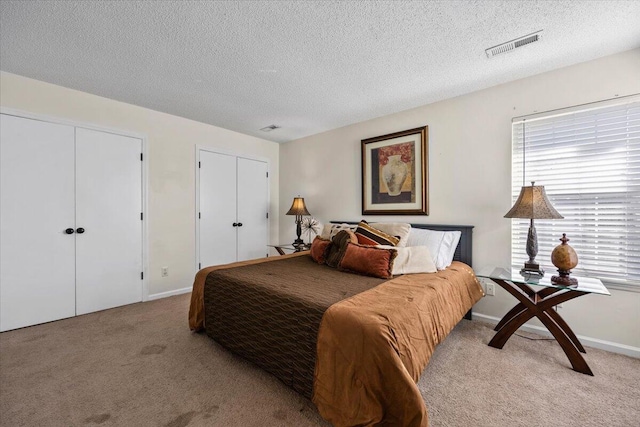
(319, 247)
(441, 244)
(338, 247)
(412, 260)
(371, 236)
(330, 230)
(398, 229)
(368, 260)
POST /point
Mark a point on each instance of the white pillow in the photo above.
(441, 244)
(412, 260)
(330, 230)
(397, 229)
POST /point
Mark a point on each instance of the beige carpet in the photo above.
(140, 366)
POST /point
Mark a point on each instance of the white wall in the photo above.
(171, 156)
(469, 174)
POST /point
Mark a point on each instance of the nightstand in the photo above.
(540, 303)
(289, 247)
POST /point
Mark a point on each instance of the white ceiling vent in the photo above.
(270, 128)
(514, 44)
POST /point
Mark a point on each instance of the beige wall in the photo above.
(469, 161)
(171, 156)
(469, 174)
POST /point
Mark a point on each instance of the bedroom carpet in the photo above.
(140, 366)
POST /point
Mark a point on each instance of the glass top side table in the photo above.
(290, 247)
(585, 284)
(540, 302)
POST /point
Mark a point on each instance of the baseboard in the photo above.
(169, 293)
(613, 347)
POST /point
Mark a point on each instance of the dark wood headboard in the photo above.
(463, 251)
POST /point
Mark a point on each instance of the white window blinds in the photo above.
(589, 163)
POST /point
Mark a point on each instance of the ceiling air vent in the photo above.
(514, 44)
(270, 128)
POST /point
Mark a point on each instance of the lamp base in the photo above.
(531, 274)
(298, 242)
(532, 269)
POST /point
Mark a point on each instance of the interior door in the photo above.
(37, 256)
(253, 205)
(108, 221)
(217, 197)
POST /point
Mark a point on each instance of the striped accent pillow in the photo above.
(370, 236)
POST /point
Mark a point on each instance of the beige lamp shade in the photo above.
(533, 204)
(298, 207)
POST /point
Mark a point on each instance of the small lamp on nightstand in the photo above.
(298, 209)
(533, 204)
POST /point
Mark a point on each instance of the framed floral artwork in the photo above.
(395, 173)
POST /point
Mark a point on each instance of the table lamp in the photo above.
(533, 204)
(298, 209)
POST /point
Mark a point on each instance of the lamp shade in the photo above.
(533, 204)
(298, 207)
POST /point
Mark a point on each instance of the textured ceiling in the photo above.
(308, 66)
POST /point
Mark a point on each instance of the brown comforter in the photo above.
(196, 309)
(359, 346)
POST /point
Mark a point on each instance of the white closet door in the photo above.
(217, 208)
(108, 207)
(253, 205)
(37, 257)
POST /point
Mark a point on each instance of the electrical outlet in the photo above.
(487, 284)
(491, 289)
(164, 271)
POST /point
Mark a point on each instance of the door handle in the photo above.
(235, 224)
(69, 231)
(239, 224)
(80, 230)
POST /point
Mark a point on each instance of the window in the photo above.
(588, 159)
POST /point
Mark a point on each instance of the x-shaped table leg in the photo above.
(540, 304)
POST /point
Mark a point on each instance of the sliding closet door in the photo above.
(108, 207)
(37, 256)
(253, 205)
(217, 208)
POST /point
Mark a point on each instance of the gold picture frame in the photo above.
(395, 173)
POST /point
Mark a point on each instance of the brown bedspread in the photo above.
(358, 343)
(373, 347)
(270, 313)
(196, 308)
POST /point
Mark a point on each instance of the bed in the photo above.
(355, 345)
